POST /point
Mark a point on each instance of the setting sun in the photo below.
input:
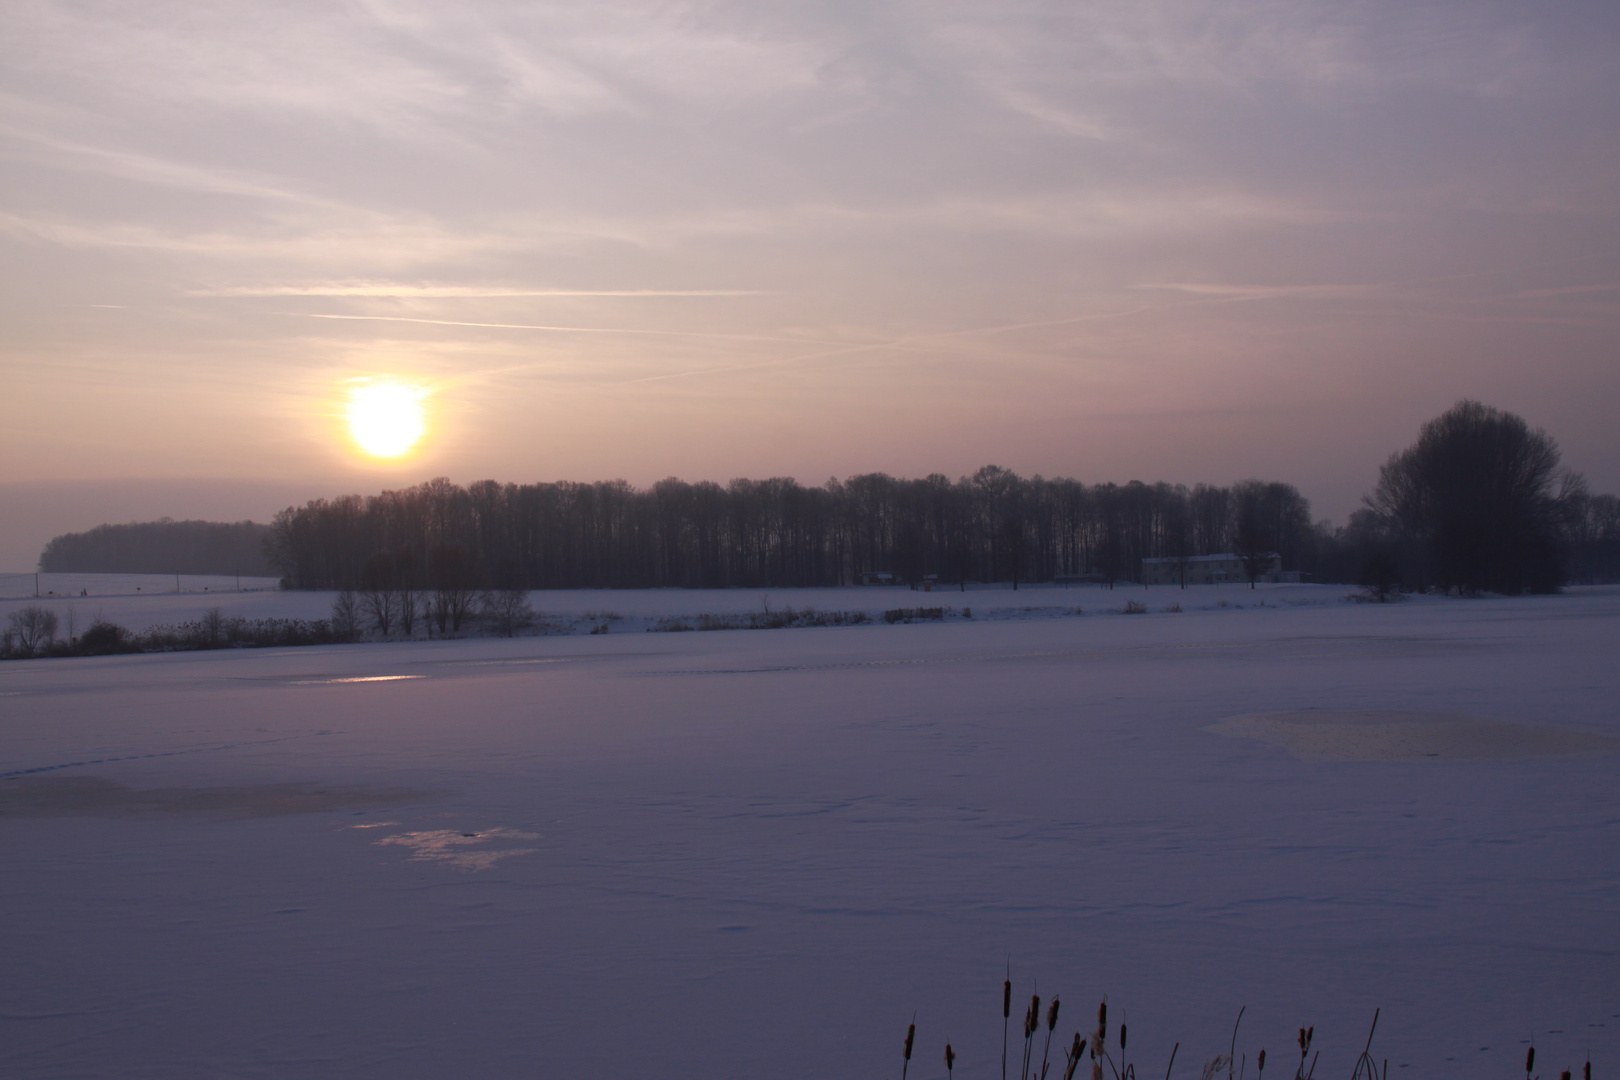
(386, 419)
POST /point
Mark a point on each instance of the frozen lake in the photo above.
(758, 853)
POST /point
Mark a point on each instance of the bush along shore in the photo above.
(386, 616)
(33, 632)
(212, 631)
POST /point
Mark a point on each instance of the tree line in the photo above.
(991, 526)
(161, 547)
(1479, 502)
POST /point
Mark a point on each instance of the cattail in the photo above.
(1564, 1075)
(911, 1033)
(1074, 1056)
(1032, 1024)
(950, 1059)
(1530, 1060)
(1006, 1013)
(1122, 1039)
(1262, 1059)
(1051, 1015)
(1588, 1073)
(1102, 1017)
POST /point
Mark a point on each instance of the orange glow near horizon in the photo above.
(386, 418)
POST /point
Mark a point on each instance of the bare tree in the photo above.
(454, 577)
(34, 627)
(213, 628)
(346, 616)
(407, 593)
(507, 611)
(377, 596)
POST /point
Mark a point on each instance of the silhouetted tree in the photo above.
(1477, 495)
(1381, 576)
(34, 628)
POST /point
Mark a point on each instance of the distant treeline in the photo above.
(992, 526)
(1478, 504)
(161, 547)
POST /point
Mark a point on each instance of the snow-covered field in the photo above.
(99, 587)
(758, 853)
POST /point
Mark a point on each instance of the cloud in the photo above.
(383, 289)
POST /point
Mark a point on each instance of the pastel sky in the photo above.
(1175, 240)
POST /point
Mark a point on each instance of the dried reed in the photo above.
(1051, 1022)
(1006, 1013)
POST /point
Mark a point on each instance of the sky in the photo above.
(1183, 241)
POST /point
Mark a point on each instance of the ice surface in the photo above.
(757, 853)
(1392, 735)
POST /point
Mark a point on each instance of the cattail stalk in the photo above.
(911, 1034)
(1051, 1022)
(950, 1059)
(1075, 1051)
(1006, 1012)
(1032, 1024)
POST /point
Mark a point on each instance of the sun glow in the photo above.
(386, 419)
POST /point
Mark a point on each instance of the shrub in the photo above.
(913, 614)
(103, 638)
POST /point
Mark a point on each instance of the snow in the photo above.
(54, 587)
(758, 853)
(114, 597)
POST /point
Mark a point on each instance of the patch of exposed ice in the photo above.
(450, 846)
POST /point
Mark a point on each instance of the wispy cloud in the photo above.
(1261, 292)
(641, 331)
(449, 292)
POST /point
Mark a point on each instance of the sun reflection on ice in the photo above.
(450, 846)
